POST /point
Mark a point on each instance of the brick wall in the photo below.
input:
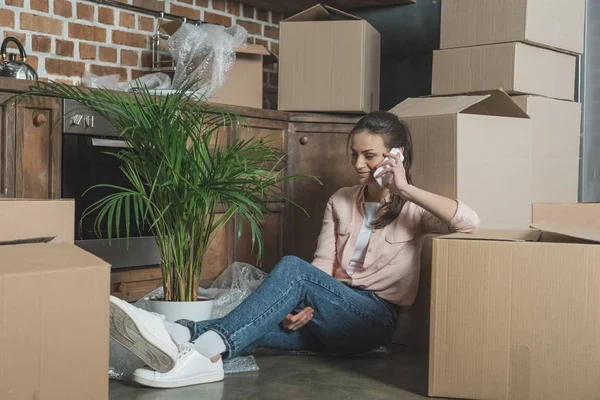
(64, 38)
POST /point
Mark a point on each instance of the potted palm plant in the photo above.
(185, 182)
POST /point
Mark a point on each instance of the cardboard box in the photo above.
(328, 61)
(547, 23)
(516, 315)
(555, 148)
(54, 314)
(585, 215)
(516, 68)
(475, 148)
(244, 84)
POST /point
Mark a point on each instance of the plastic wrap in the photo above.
(228, 290)
(205, 54)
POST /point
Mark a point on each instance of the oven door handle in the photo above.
(112, 143)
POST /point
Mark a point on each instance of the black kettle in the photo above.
(10, 67)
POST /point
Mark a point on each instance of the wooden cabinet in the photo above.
(7, 146)
(30, 147)
(317, 145)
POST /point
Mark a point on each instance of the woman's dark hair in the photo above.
(395, 133)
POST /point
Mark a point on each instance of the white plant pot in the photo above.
(176, 310)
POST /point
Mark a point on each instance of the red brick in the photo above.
(138, 73)
(262, 14)
(63, 80)
(276, 18)
(43, 79)
(7, 19)
(271, 32)
(233, 7)
(146, 23)
(38, 23)
(262, 42)
(202, 3)
(185, 11)
(213, 18)
(248, 11)
(64, 67)
(250, 40)
(41, 44)
(85, 11)
(155, 5)
(106, 15)
(252, 27)
(87, 51)
(15, 3)
(33, 61)
(129, 57)
(87, 32)
(104, 70)
(20, 36)
(126, 20)
(108, 54)
(65, 48)
(39, 5)
(147, 59)
(129, 39)
(218, 5)
(274, 48)
(63, 8)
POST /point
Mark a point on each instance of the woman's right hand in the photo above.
(293, 322)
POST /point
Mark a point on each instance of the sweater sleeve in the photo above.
(324, 258)
(465, 220)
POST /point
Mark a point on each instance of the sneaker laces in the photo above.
(184, 349)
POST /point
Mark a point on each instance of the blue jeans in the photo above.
(347, 321)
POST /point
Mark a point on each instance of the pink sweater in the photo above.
(392, 263)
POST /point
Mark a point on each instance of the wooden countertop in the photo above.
(20, 85)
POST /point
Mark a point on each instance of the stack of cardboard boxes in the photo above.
(515, 311)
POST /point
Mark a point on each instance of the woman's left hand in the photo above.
(398, 183)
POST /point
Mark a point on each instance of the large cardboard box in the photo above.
(514, 67)
(552, 23)
(54, 314)
(585, 215)
(516, 315)
(556, 133)
(328, 61)
(475, 148)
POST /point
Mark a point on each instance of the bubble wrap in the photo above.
(205, 54)
(228, 291)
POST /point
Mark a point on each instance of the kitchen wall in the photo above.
(65, 38)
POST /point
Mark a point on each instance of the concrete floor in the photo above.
(400, 376)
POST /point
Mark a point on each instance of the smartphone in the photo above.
(385, 178)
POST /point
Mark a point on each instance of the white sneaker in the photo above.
(144, 334)
(192, 368)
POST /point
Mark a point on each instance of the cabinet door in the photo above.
(38, 141)
(7, 145)
(318, 149)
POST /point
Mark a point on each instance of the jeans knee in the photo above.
(292, 265)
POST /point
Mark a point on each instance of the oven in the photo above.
(87, 137)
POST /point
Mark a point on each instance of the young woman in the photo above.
(346, 301)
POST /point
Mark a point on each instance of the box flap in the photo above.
(585, 233)
(45, 257)
(321, 13)
(496, 235)
(495, 103)
(32, 221)
(428, 106)
(268, 57)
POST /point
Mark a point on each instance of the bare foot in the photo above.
(216, 358)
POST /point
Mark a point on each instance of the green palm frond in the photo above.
(181, 170)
